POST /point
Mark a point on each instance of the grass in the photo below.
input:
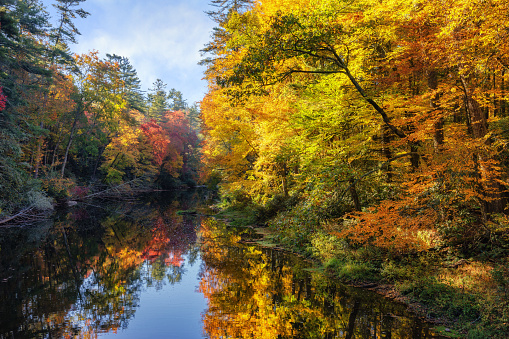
(238, 218)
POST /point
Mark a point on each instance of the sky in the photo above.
(161, 39)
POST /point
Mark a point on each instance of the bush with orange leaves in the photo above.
(396, 226)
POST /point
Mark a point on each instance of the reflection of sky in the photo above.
(173, 311)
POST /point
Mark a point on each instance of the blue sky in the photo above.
(161, 38)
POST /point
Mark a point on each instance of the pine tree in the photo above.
(157, 100)
(131, 91)
(20, 57)
(66, 30)
(225, 7)
(221, 16)
(178, 103)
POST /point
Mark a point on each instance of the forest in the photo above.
(372, 135)
(73, 123)
(369, 136)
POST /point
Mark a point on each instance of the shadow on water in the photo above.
(84, 273)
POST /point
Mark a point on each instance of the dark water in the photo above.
(148, 270)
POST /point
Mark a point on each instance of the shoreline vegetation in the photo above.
(42, 211)
(461, 297)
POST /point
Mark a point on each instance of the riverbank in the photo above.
(464, 296)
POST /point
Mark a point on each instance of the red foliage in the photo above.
(181, 134)
(158, 139)
(172, 141)
(3, 99)
(165, 243)
(79, 191)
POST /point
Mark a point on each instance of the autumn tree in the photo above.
(377, 105)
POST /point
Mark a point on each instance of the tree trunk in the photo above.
(414, 157)
(355, 195)
(71, 137)
(38, 155)
(490, 189)
(438, 125)
(502, 92)
(351, 320)
(386, 151)
(285, 186)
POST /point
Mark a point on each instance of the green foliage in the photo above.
(349, 270)
(131, 90)
(58, 188)
(213, 180)
(327, 247)
(295, 227)
(157, 100)
(113, 176)
(39, 200)
(445, 300)
(480, 334)
(277, 204)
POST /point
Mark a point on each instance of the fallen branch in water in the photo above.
(25, 216)
(127, 188)
(20, 214)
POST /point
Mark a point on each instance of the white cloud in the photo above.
(161, 38)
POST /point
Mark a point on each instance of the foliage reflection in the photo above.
(263, 293)
(83, 274)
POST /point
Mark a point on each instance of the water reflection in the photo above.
(83, 274)
(259, 293)
(142, 270)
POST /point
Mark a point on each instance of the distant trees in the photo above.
(66, 116)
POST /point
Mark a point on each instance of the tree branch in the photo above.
(374, 170)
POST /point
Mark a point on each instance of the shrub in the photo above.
(39, 200)
(57, 188)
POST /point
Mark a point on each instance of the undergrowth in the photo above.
(462, 285)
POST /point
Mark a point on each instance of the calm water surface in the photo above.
(151, 269)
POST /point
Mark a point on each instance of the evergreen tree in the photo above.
(157, 100)
(20, 59)
(193, 115)
(178, 103)
(131, 91)
(65, 32)
(220, 36)
(225, 7)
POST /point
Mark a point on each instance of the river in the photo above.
(153, 268)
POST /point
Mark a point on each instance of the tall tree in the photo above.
(131, 89)
(22, 27)
(178, 103)
(66, 31)
(225, 7)
(157, 100)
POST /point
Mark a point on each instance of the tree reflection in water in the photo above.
(83, 274)
(262, 293)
